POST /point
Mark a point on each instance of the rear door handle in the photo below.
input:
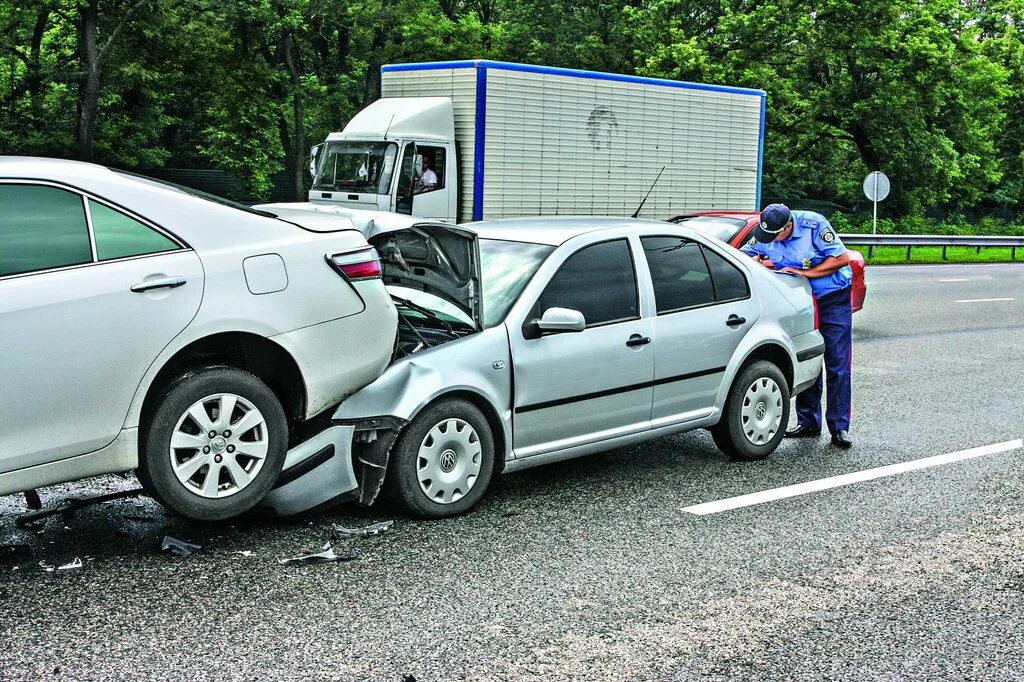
(637, 340)
(162, 283)
(735, 320)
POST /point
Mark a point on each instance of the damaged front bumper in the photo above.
(345, 462)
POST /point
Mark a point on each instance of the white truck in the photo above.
(468, 140)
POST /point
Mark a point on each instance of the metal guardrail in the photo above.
(941, 240)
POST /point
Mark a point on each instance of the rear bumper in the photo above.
(317, 474)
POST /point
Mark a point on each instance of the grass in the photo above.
(884, 255)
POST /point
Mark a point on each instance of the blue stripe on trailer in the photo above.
(760, 155)
(576, 73)
(479, 137)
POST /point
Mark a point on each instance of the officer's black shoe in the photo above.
(803, 431)
(841, 439)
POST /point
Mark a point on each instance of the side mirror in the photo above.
(313, 152)
(561, 320)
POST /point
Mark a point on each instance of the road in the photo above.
(590, 569)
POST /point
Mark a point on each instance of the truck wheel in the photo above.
(215, 444)
(442, 462)
(756, 413)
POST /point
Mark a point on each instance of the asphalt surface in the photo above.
(589, 569)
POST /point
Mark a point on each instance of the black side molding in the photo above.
(810, 353)
(305, 466)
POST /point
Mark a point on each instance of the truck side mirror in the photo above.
(314, 151)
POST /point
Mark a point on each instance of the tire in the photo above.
(742, 433)
(246, 462)
(442, 462)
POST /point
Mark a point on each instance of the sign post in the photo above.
(876, 188)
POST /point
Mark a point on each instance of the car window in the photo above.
(679, 273)
(118, 236)
(730, 284)
(599, 281)
(506, 267)
(41, 228)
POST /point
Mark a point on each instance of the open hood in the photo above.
(442, 260)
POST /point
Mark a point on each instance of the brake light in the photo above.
(816, 321)
(357, 266)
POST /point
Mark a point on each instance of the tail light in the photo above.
(816, 321)
(357, 265)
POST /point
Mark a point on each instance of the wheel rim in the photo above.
(219, 445)
(761, 414)
(448, 461)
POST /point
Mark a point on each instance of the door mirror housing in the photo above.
(557, 320)
(314, 151)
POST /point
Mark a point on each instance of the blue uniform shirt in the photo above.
(813, 240)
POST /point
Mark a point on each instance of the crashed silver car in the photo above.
(528, 341)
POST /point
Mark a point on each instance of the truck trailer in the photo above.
(468, 140)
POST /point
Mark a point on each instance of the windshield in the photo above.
(351, 166)
(506, 268)
(721, 228)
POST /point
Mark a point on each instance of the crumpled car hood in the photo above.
(440, 259)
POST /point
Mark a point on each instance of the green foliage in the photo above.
(929, 91)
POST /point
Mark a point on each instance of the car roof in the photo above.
(42, 168)
(551, 230)
(721, 213)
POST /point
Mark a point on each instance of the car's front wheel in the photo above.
(756, 413)
(214, 445)
(442, 462)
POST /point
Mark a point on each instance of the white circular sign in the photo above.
(876, 186)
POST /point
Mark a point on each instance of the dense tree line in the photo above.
(930, 91)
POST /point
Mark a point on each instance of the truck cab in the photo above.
(398, 155)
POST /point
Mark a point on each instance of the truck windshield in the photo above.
(350, 166)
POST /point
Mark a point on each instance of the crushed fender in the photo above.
(172, 545)
(326, 556)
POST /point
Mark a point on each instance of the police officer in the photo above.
(803, 243)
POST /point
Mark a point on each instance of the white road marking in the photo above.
(983, 300)
(848, 479)
(956, 279)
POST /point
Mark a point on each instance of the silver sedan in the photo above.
(559, 337)
(147, 327)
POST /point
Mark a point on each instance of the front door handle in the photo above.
(162, 283)
(735, 320)
(637, 340)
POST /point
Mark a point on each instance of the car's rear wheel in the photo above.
(214, 445)
(756, 413)
(442, 462)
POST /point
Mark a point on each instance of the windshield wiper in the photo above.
(426, 312)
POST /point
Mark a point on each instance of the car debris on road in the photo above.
(71, 505)
(342, 533)
(326, 556)
(172, 545)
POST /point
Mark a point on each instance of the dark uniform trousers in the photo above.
(835, 322)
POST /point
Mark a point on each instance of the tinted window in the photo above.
(41, 228)
(118, 236)
(730, 283)
(680, 275)
(598, 281)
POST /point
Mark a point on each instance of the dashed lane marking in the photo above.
(983, 300)
(784, 492)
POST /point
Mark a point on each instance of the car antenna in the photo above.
(389, 127)
(636, 213)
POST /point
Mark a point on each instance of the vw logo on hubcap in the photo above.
(761, 410)
(448, 460)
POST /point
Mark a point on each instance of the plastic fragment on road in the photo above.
(342, 533)
(172, 545)
(70, 566)
(245, 552)
(326, 556)
(70, 505)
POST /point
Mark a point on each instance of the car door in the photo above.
(89, 296)
(704, 308)
(574, 388)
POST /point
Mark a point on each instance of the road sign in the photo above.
(876, 188)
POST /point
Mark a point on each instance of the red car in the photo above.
(734, 228)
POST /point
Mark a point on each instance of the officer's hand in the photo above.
(765, 262)
(794, 271)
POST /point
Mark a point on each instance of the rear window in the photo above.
(721, 228)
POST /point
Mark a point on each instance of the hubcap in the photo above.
(761, 414)
(448, 461)
(219, 445)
